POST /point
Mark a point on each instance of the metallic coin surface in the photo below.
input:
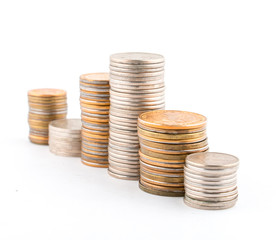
(137, 58)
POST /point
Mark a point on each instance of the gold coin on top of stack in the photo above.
(45, 105)
(137, 86)
(94, 103)
(210, 180)
(166, 138)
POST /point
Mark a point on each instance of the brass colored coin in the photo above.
(47, 92)
(172, 119)
(159, 187)
(93, 106)
(170, 131)
(98, 158)
(160, 192)
(94, 119)
(95, 102)
(124, 177)
(90, 164)
(174, 147)
(162, 155)
(162, 178)
(94, 136)
(162, 164)
(160, 170)
(174, 152)
(178, 137)
(168, 161)
(98, 86)
(102, 141)
(163, 183)
(95, 78)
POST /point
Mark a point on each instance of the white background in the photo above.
(220, 62)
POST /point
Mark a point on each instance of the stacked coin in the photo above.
(45, 105)
(94, 102)
(211, 180)
(137, 85)
(65, 137)
(166, 138)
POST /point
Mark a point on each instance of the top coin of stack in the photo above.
(166, 138)
(45, 105)
(137, 85)
(94, 102)
(211, 180)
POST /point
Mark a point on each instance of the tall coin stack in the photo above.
(166, 138)
(65, 137)
(211, 180)
(94, 102)
(45, 105)
(137, 85)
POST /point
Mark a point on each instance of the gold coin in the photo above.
(94, 140)
(167, 161)
(170, 131)
(174, 147)
(100, 158)
(148, 183)
(172, 119)
(162, 155)
(161, 164)
(102, 78)
(94, 119)
(94, 164)
(162, 183)
(47, 92)
(160, 192)
(94, 106)
(162, 178)
(161, 170)
(94, 136)
(179, 137)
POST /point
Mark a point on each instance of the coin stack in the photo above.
(166, 138)
(94, 102)
(45, 105)
(211, 180)
(65, 137)
(137, 85)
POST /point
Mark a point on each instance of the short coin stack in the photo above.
(94, 102)
(137, 85)
(166, 138)
(211, 180)
(65, 137)
(45, 105)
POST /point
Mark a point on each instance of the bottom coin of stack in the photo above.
(211, 180)
(65, 137)
(166, 137)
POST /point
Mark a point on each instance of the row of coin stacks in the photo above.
(45, 105)
(166, 138)
(94, 102)
(137, 85)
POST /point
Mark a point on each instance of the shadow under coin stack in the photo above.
(137, 85)
(211, 180)
(45, 105)
(65, 137)
(94, 102)
(166, 138)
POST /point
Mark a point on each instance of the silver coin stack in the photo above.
(65, 137)
(137, 85)
(210, 180)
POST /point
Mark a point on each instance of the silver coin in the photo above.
(137, 75)
(124, 167)
(137, 95)
(136, 83)
(122, 127)
(63, 111)
(95, 145)
(204, 207)
(137, 100)
(140, 104)
(136, 79)
(96, 90)
(94, 115)
(195, 175)
(137, 108)
(123, 154)
(124, 177)
(136, 58)
(137, 66)
(123, 144)
(210, 186)
(135, 70)
(103, 150)
(94, 159)
(126, 87)
(212, 160)
(122, 171)
(60, 135)
(124, 149)
(123, 136)
(123, 123)
(123, 140)
(121, 119)
(98, 153)
(210, 195)
(219, 172)
(208, 190)
(94, 110)
(198, 181)
(138, 91)
(130, 161)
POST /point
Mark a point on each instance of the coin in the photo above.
(119, 176)
(205, 207)
(171, 119)
(137, 66)
(136, 58)
(160, 192)
(90, 164)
